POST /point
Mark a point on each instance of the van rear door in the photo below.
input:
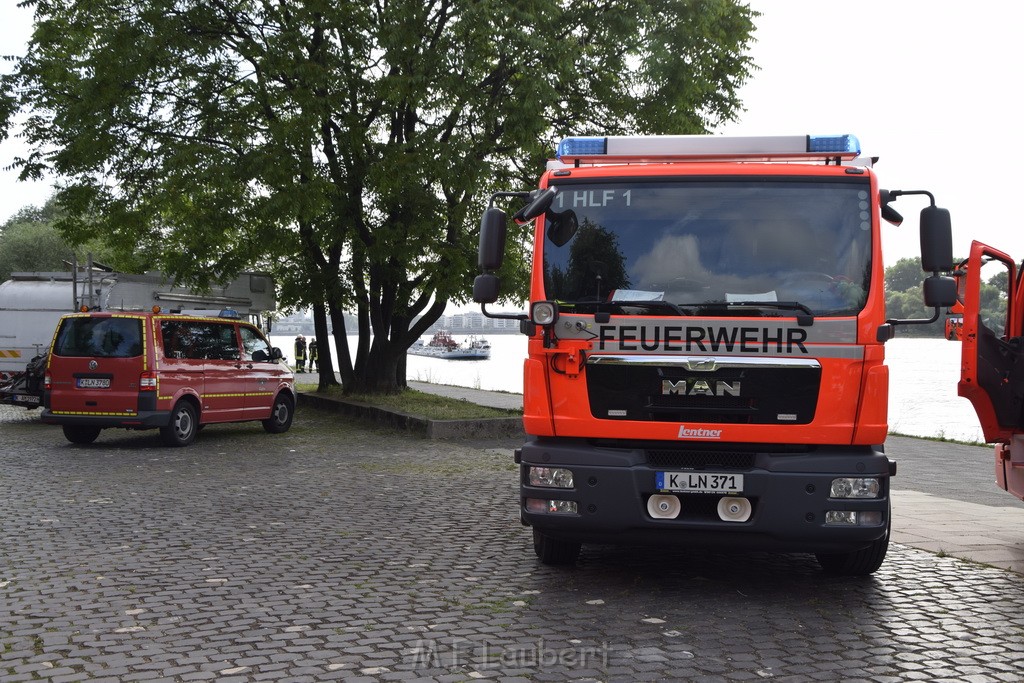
(96, 364)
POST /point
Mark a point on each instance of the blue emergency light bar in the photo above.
(679, 147)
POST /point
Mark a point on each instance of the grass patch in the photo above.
(940, 438)
(412, 402)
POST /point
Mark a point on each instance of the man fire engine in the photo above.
(706, 345)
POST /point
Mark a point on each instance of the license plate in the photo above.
(23, 398)
(699, 482)
(93, 383)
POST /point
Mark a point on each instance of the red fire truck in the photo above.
(989, 321)
(706, 344)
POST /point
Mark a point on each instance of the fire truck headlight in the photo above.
(855, 487)
(544, 312)
(551, 477)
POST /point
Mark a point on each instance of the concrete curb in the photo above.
(484, 428)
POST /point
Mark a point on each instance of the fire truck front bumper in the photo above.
(802, 499)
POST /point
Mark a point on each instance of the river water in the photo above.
(923, 374)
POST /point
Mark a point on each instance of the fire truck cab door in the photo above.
(992, 360)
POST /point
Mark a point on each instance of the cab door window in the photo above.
(254, 346)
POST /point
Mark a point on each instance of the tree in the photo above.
(30, 242)
(904, 274)
(347, 146)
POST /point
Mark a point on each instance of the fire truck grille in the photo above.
(700, 460)
(728, 395)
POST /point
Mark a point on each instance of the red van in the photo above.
(171, 372)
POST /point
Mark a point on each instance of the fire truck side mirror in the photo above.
(939, 291)
(485, 288)
(540, 202)
(936, 241)
(492, 240)
(888, 213)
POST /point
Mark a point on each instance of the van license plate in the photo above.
(26, 398)
(93, 383)
(699, 482)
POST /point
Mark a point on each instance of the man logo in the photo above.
(699, 387)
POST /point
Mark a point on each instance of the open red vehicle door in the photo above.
(992, 360)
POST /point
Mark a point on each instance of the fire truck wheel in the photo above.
(281, 415)
(554, 551)
(858, 563)
(81, 435)
(183, 427)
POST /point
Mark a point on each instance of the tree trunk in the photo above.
(325, 363)
(341, 343)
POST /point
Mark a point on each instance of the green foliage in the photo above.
(904, 299)
(348, 147)
(29, 241)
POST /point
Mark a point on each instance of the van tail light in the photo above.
(47, 382)
(147, 381)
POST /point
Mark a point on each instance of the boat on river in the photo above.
(442, 345)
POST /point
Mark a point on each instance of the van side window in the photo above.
(255, 346)
(199, 340)
(176, 337)
(100, 337)
(218, 341)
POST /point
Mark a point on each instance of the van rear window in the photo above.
(99, 337)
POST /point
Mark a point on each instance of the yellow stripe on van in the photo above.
(9, 353)
(75, 412)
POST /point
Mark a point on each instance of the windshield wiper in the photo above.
(802, 320)
(649, 304)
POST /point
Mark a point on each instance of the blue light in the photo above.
(839, 144)
(585, 146)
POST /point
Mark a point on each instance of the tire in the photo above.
(555, 551)
(81, 435)
(281, 415)
(860, 562)
(183, 427)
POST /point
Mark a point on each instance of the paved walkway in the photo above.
(343, 551)
(953, 523)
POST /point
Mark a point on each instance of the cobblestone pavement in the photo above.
(339, 552)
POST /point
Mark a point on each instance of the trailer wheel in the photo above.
(280, 415)
(860, 562)
(81, 435)
(555, 551)
(183, 427)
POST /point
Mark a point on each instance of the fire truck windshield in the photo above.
(743, 246)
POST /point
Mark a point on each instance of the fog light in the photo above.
(552, 477)
(853, 518)
(844, 517)
(539, 505)
(855, 487)
(544, 312)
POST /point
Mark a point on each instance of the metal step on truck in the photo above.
(31, 305)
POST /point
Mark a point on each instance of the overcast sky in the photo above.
(929, 86)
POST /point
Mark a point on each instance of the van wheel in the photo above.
(555, 551)
(184, 425)
(81, 435)
(280, 415)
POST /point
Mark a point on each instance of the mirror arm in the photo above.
(502, 316)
